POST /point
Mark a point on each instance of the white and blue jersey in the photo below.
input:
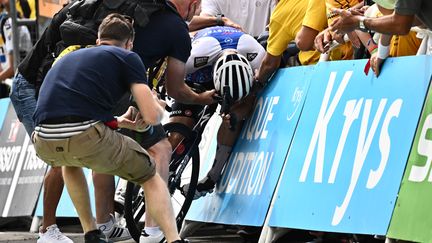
(208, 44)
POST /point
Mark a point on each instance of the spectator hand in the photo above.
(132, 120)
(376, 64)
(230, 23)
(347, 22)
(322, 41)
(355, 40)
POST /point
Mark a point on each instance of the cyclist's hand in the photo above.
(230, 120)
(207, 97)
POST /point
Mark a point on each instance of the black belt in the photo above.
(65, 119)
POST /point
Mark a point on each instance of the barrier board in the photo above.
(21, 172)
(412, 217)
(243, 195)
(65, 207)
(351, 146)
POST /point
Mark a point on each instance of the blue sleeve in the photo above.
(181, 45)
(135, 71)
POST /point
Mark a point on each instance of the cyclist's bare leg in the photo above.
(175, 138)
(104, 189)
(53, 188)
(78, 191)
(226, 137)
(159, 206)
(161, 153)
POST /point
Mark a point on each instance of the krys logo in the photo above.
(296, 101)
(353, 108)
(424, 148)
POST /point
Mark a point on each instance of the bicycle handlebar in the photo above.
(227, 101)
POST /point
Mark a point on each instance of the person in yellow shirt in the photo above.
(285, 22)
(345, 51)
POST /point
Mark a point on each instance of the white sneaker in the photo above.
(145, 238)
(53, 235)
(115, 232)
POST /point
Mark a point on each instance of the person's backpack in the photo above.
(85, 16)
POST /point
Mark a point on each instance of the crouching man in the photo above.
(74, 126)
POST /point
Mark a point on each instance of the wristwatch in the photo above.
(219, 20)
(362, 26)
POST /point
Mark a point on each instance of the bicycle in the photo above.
(183, 169)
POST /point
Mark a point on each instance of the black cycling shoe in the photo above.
(204, 186)
(95, 236)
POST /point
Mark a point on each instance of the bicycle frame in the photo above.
(181, 162)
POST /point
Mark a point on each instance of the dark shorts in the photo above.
(190, 110)
(145, 139)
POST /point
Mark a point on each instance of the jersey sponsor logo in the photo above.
(200, 61)
(251, 56)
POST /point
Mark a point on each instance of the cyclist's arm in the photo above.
(177, 88)
(149, 107)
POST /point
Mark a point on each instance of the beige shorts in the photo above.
(101, 149)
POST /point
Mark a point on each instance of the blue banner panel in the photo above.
(4, 103)
(350, 149)
(244, 193)
(65, 207)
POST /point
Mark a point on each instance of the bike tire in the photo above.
(134, 206)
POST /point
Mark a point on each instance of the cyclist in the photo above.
(220, 56)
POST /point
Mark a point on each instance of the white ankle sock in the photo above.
(107, 225)
(152, 230)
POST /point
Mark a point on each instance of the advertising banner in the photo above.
(244, 193)
(65, 207)
(21, 172)
(350, 149)
(412, 217)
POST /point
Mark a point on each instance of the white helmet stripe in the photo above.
(240, 87)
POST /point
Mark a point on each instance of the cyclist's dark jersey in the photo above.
(167, 35)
